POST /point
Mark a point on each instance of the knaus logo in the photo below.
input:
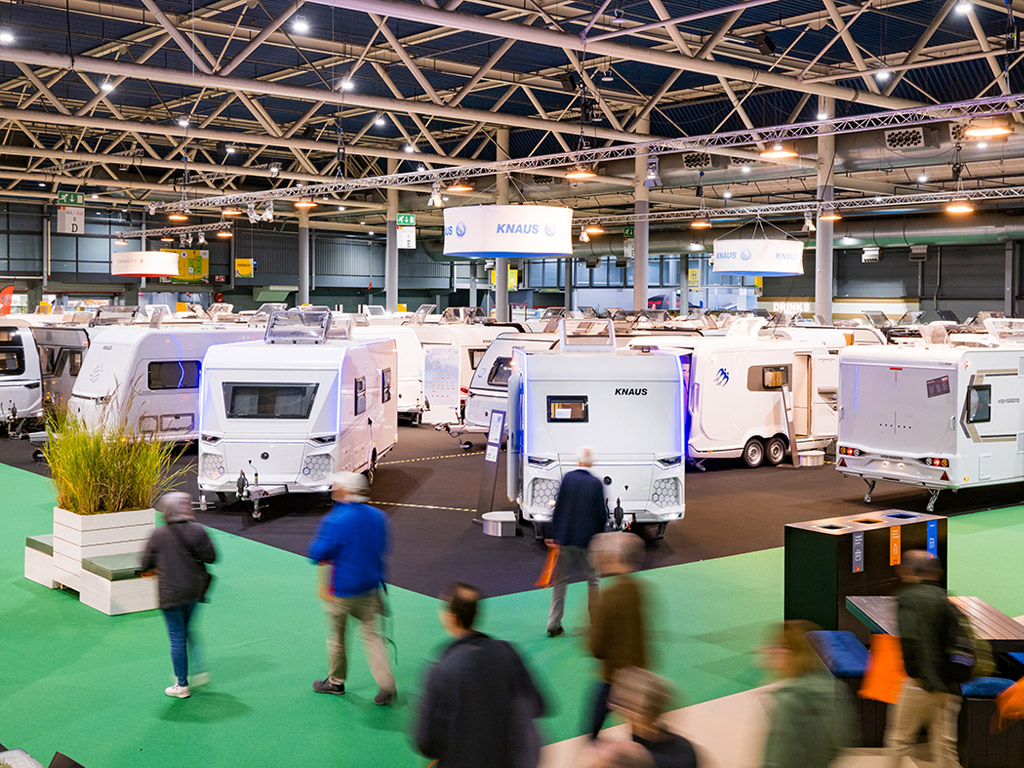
(459, 229)
(517, 229)
(631, 391)
(722, 377)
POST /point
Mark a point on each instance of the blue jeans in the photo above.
(178, 619)
(599, 709)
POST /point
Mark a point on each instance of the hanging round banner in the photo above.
(144, 263)
(507, 231)
(759, 257)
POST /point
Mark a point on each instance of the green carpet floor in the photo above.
(92, 686)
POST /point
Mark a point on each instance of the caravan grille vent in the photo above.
(317, 467)
(211, 466)
(665, 492)
(543, 492)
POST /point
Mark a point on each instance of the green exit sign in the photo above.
(70, 198)
(627, 231)
(407, 219)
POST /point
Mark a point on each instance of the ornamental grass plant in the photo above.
(110, 469)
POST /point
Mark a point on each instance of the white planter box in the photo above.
(116, 597)
(76, 537)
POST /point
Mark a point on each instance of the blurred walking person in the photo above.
(353, 539)
(641, 697)
(812, 720)
(178, 552)
(928, 697)
(618, 631)
(479, 701)
(578, 516)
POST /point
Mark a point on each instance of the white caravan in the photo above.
(941, 417)
(626, 405)
(21, 396)
(410, 364)
(62, 350)
(752, 397)
(280, 415)
(149, 375)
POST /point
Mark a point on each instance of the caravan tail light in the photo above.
(945, 476)
(211, 439)
(324, 439)
(536, 461)
(937, 462)
(671, 461)
(850, 451)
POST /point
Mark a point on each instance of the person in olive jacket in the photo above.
(178, 552)
(927, 699)
(812, 719)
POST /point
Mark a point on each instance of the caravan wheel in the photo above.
(775, 450)
(753, 452)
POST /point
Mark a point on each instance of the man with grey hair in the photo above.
(618, 634)
(178, 553)
(578, 516)
(353, 539)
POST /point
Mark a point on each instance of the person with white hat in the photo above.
(353, 539)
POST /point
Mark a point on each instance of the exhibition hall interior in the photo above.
(512, 383)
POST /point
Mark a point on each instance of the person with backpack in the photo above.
(931, 694)
(178, 553)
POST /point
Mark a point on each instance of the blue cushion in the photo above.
(842, 653)
(1018, 657)
(985, 687)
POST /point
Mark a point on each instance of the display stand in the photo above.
(489, 477)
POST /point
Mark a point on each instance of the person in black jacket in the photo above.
(479, 701)
(178, 552)
(578, 516)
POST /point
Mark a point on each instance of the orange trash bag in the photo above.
(883, 680)
(544, 580)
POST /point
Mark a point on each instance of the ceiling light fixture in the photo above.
(461, 186)
(268, 211)
(701, 222)
(231, 211)
(6, 36)
(300, 26)
(166, 239)
(178, 216)
(275, 170)
(607, 77)
(745, 169)
(922, 179)
(408, 149)
(727, 194)
(618, 17)
(347, 85)
(120, 241)
(183, 122)
(305, 203)
(224, 232)
(987, 129)
(435, 196)
(960, 205)
(341, 208)
(107, 85)
(830, 214)
(584, 237)
(202, 239)
(581, 173)
(778, 151)
(963, 7)
(883, 75)
(380, 122)
(823, 115)
(94, 197)
(594, 229)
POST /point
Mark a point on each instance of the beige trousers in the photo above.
(366, 609)
(938, 711)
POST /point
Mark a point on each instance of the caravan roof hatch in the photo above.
(306, 326)
(576, 335)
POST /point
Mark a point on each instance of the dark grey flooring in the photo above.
(429, 488)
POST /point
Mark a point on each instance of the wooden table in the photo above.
(1002, 632)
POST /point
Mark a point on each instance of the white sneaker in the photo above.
(199, 679)
(178, 691)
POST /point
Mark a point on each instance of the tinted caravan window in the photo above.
(183, 374)
(360, 389)
(269, 401)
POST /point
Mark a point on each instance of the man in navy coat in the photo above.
(580, 514)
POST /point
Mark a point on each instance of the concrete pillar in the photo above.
(303, 295)
(824, 234)
(391, 247)
(568, 274)
(34, 294)
(501, 265)
(641, 205)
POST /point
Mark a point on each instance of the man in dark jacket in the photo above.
(178, 552)
(352, 539)
(578, 516)
(618, 633)
(928, 699)
(479, 701)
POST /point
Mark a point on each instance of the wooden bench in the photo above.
(39, 559)
(114, 584)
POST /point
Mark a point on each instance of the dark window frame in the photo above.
(385, 385)
(555, 400)
(359, 392)
(229, 388)
(973, 418)
(184, 382)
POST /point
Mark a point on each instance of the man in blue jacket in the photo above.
(352, 539)
(579, 515)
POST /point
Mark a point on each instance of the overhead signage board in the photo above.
(513, 278)
(759, 257)
(406, 237)
(144, 264)
(407, 220)
(693, 277)
(70, 220)
(507, 231)
(628, 231)
(244, 267)
(70, 198)
(193, 265)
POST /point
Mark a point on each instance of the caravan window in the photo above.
(500, 371)
(12, 362)
(979, 404)
(74, 363)
(385, 385)
(49, 361)
(269, 401)
(360, 387)
(182, 374)
(475, 356)
(567, 408)
(768, 378)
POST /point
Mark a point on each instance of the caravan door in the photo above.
(992, 419)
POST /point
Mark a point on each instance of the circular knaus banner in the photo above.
(507, 231)
(144, 263)
(759, 257)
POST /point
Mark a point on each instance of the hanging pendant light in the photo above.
(581, 173)
(960, 205)
(830, 214)
(778, 151)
